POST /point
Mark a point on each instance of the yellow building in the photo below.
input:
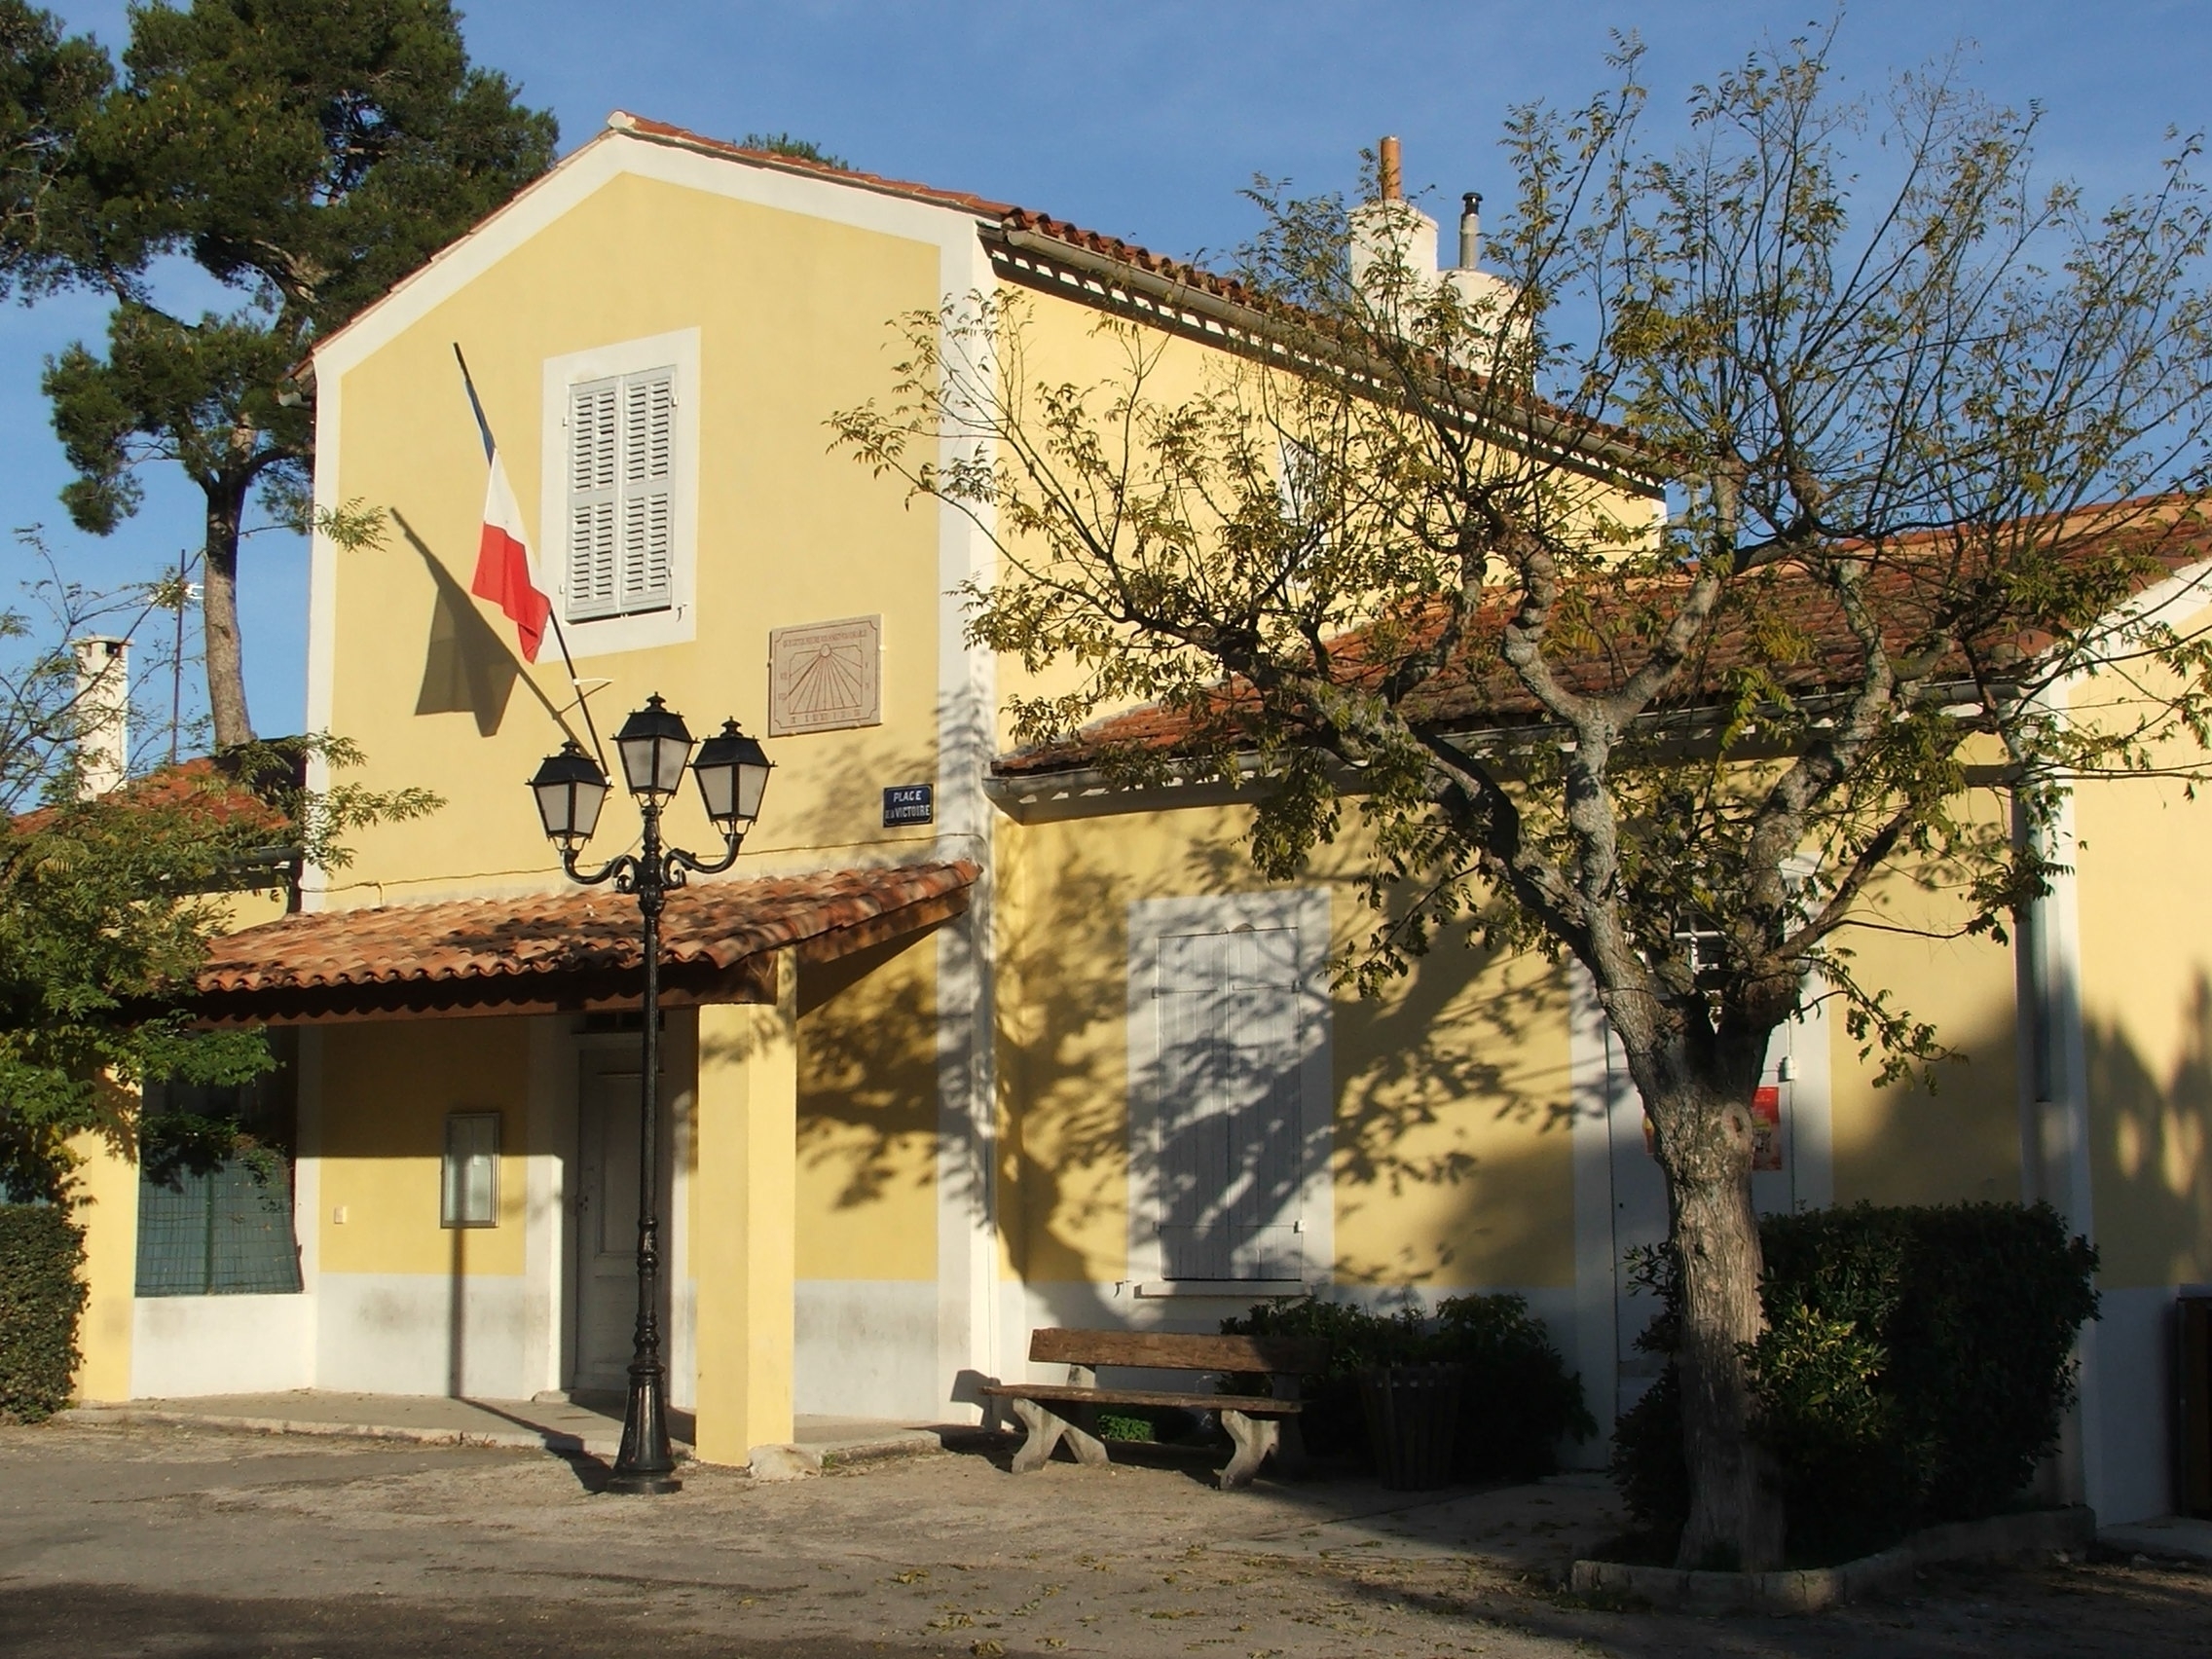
(937, 1051)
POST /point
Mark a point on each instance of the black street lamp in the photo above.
(569, 788)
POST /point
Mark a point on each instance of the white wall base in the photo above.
(402, 1333)
(182, 1345)
(868, 1347)
(2132, 1478)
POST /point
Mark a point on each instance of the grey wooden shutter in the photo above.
(1230, 1155)
(649, 490)
(594, 439)
(1193, 1127)
(1260, 1028)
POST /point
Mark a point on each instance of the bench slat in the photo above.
(1250, 1405)
(1176, 1351)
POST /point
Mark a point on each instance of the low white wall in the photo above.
(2132, 1479)
(183, 1345)
(868, 1347)
(402, 1333)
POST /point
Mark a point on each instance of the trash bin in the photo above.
(1412, 1416)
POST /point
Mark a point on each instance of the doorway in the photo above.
(604, 1222)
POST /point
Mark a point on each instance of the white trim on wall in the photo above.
(1306, 909)
(322, 614)
(968, 1327)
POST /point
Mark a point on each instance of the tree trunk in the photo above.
(1735, 1519)
(219, 613)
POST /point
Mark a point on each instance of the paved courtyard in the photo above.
(131, 1540)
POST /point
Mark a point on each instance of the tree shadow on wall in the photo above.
(1068, 1149)
(867, 1073)
(2154, 1142)
(467, 667)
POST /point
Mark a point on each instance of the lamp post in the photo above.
(732, 772)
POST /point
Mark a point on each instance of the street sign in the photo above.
(909, 803)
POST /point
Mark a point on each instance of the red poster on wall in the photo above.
(1766, 1129)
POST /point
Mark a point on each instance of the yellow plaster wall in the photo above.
(1451, 1150)
(789, 312)
(386, 1092)
(1905, 1144)
(866, 1176)
(2145, 942)
(104, 1194)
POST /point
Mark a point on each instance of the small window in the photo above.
(471, 1171)
(620, 492)
(621, 495)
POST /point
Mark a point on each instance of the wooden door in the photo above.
(605, 1224)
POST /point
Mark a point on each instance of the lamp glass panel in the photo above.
(669, 760)
(638, 768)
(717, 788)
(752, 785)
(556, 809)
(588, 798)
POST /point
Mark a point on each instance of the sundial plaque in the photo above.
(826, 676)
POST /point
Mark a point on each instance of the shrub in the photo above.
(40, 1298)
(1518, 1400)
(1333, 1422)
(1914, 1369)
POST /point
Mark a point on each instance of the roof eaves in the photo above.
(662, 132)
(1235, 307)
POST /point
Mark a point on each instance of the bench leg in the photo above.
(1046, 1430)
(1255, 1438)
(1291, 1462)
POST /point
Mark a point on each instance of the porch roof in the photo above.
(559, 953)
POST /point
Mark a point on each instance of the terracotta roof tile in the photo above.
(1480, 690)
(496, 947)
(198, 787)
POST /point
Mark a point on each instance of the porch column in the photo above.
(743, 1247)
(106, 1194)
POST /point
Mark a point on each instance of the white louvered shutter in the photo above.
(649, 491)
(594, 441)
(1260, 1029)
(1229, 1124)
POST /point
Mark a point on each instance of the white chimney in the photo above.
(1395, 257)
(104, 713)
(1391, 232)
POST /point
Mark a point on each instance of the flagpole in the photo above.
(484, 430)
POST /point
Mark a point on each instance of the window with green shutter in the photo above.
(216, 1187)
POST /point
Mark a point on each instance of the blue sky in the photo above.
(1140, 117)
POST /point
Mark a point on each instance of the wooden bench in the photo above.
(1255, 1423)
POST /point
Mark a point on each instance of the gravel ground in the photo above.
(191, 1542)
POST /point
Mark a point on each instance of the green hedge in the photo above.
(1519, 1402)
(1915, 1367)
(40, 1298)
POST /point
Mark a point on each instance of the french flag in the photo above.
(503, 574)
(502, 564)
